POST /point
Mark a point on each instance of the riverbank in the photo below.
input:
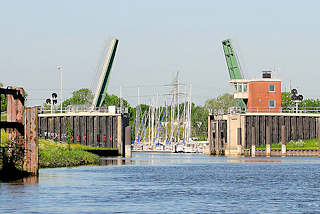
(55, 154)
(58, 154)
(300, 144)
(3, 116)
(3, 137)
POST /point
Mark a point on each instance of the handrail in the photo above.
(238, 110)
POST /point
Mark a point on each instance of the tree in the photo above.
(3, 103)
(222, 102)
(310, 103)
(113, 100)
(80, 97)
(199, 121)
(286, 101)
(69, 134)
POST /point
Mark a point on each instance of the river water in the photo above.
(171, 183)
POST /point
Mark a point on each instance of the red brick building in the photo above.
(259, 95)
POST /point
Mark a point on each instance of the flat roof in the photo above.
(254, 80)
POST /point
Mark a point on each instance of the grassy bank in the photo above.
(3, 137)
(54, 154)
(3, 116)
(300, 144)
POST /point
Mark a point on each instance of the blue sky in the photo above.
(157, 38)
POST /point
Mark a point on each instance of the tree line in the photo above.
(199, 113)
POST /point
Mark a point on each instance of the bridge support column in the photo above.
(319, 137)
(253, 145)
(268, 150)
(239, 141)
(268, 143)
(120, 143)
(217, 139)
(209, 150)
(31, 141)
(128, 148)
(283, 142)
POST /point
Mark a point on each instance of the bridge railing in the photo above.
(83, 108)
(238, 110)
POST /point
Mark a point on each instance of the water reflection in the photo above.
(31, 180)
(253, 161)
(155, 159)
(114, 161)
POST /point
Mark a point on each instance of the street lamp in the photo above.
(60, 67)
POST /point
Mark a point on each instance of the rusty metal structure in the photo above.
(19, 152)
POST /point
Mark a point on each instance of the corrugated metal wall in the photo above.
(297, 128)
(96, 131)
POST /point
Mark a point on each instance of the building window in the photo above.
(272, 103)
(245, 87)
(272, 88)
(235, 85)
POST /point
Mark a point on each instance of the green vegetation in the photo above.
(199, 122)
(286, 102)
(3, 116)
(53, 154)
(3, 137)
(223, 102)
(3, 103)
(300, 144)
(69, 134)
(80, 97)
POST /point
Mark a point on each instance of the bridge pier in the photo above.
(283, 142)
(253, 146)
(268, 140)
(128, 147)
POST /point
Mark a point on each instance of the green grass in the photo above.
(53, 154)
(3, 116)
(3, 137)
(84, 147)
(300, 144)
